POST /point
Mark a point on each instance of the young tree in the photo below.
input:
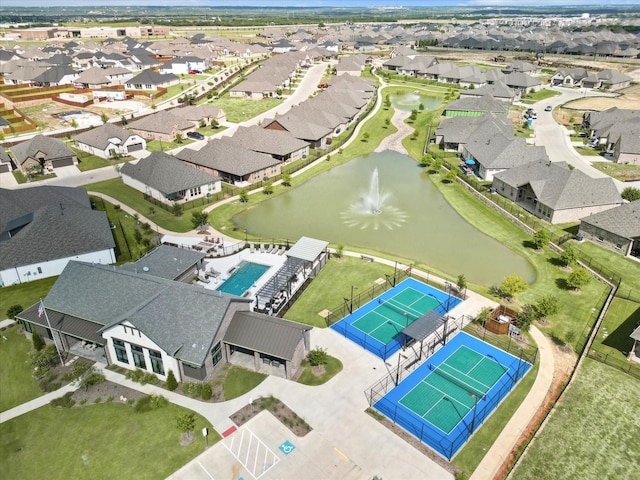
(541, 239)
(186, 423)
(568, 256)
(137, 236)
(365, 137)
(484, 315)
(578, 279)
(244, 196)
(199, 219)
(451, 176)
(172, 383)
(178, 138)
(436, 165)
(512, 285)
(461, 283)
(14, 310)
(339, 251)
(38, 343)
(177, 209)
(387, 122)
(104, 118)
(318, 356)
(268, 188)
(286, 179)
(526, 317)
(547, 305)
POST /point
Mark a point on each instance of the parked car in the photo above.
(195, 135)
(548, 108)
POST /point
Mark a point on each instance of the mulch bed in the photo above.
(279, 410)
(106, 391)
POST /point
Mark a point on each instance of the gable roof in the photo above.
(166, 261)
(46, 223)
(100, 137)
(149, 77)
(623, 221)
(265, 334)
(166, 173)
(272, 142)
(51, 147)
(179, 318)
(485, 103)
(163, 121)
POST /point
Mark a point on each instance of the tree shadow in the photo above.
(561, 283)
(619, 338)
(556, 261)
(529, 244)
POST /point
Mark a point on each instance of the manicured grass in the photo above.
(18, 385)
(593, 433)
(332, 368)
(135, 199)
(24, 294)
(575, 309)
(332, 285)
(239, 109)
(613, 340)
(474, 451)
(160, 146)
(91, 162)
(539, 95)
(19, 176)
(588, 151)
(98, 441)
(240, 381)
(620, 171)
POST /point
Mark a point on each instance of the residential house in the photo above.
(555, 193)
(611, 80)
(5, 160)
(281, 145)
(201, 114)
(43, 228)
(569, 77)
(183, 65)
(42, 152)
(164, 125)
(453, 133)
(412, 64)
(141, 321)
(150, 80)
(522, 67)
(351, 65)
(475, 107)
(232, 161)
(167, 179)
(498, 90)
(522, 83)
(617, 229)
(109, 141)
(55, 76)
(303, 126)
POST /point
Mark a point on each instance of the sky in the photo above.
(311, 3)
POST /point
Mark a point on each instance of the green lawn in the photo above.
(575, 309)
(542, 94)
(239, 381)
(160, 146)
(91, 162)
(135, 199)
(103, 441)
(18, 385)
(620, 171)
(332, 368)
(593, 434)
(474, 451)
(333, 285)
(240, 109)
(24, 294)
(588, 151)
(613, 340)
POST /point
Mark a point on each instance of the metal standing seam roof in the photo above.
(424, 326)
(307, 249)
(165, 261)
(265, 334)
(68, 324)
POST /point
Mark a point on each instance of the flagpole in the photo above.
(51, 330)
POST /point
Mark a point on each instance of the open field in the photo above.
(18, 386)
(627, 98)
(592, 434)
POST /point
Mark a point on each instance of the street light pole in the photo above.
(353, 287)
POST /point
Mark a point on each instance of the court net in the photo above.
(400, 308)
(478, 393)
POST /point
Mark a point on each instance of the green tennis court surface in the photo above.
(451, 389)
(391, 316)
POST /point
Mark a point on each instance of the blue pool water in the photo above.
(243, 278)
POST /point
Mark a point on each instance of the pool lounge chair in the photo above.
(262, 248)
(252, 248)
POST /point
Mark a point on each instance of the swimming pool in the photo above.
(242, 278)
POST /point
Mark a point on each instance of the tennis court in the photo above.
(378, 325)
(447, 398)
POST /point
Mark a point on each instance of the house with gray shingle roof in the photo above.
(522, 83)
(198, 114)
(164, 125)
(498, 90)
(236, 164)
(56, 75)
(139, 320)
(150, 80)
(453, 133)
(5, 160)
(302, 126)
(167, 179)
(569, 77)
(42, 152)
(280, 145)
(43, 228)
(109, 141)
(475, 107)
(617, 229)
(555, 193)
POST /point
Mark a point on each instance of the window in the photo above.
(216, 354)
(156, 362)
(138, 357)
(274, 170)
(121, 351)
(195, 191)
(256, 175)
(28, 327)
(619, 243)
(39, 270)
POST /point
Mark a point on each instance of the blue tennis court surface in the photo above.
(378, 325)
(446, 399)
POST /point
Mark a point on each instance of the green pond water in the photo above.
(414, 220)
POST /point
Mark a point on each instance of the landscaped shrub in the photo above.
(140, 376)
(318, 356)
(64, 401)
(172, 383)
(193, 389)
(150, 402)
(42, 360)
(78, 369)
(14, 310)
(206, 391)
(92, 377)
(38, 343)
